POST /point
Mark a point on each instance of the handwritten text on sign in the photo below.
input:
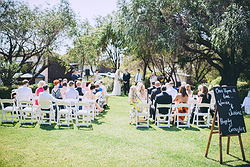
(230, 114)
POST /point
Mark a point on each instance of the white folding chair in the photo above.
(186, 121)
(82, 110)
(198, 114)
(45, 107)
(26, 107)
(93, 109)
(8, 105)
(64, 113)
(72, 104)
(142, 115)
(163, 118)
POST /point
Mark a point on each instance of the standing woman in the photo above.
(39, 89)
(181, 97)
(56, 93)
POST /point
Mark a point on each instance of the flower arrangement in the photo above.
(120, 79)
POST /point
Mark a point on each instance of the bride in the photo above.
(117, 84)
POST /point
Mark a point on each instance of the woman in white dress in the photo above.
(117, 84)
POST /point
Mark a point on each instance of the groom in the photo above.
(126, 78)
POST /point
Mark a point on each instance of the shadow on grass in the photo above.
(97, 122)
(85, 128)
(237, 159)
(226, 162)
(9, 124)
(28, 125)
(65, 127)
(191, 128)
(172, 128)
(150, 128)
(48, 127)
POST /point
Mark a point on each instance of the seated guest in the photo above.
(90, 95)
(134, 99)
(155, 91)
(79, 88)
(56, 93)
(71, 93)
(24, 92)
(88, 84)
(45, 96)
(60, 82)
(199, 90)
(65, 80)
(189, 91)
(142, 94)
(162, 98)
(84, 86)
(97, 87)
(105, 92)
(205, 97)
(171, 91)
(39, 89)
(64, 89)
(151, 88)
(181, 97)
(153, 95)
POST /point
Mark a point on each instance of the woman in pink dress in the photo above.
(39, 89)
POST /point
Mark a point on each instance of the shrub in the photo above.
(243, 90)
(5, 92)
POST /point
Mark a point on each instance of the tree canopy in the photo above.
(27, 32)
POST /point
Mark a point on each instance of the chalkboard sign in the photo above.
(230, 114)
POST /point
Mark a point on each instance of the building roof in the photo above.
(29, 75)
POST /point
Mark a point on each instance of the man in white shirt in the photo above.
(71, 93)
(138, 77)
(153, 78)
(171, 91)
(45, 96)
(105, 92)
(24, 92)
(96, 76)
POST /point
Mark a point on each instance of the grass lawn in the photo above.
(111, 141)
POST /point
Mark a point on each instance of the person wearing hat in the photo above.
(171, 91)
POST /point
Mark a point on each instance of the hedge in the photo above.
(5, 92)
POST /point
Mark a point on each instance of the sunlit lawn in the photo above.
(111, 141)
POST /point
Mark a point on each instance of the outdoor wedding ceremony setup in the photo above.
(124, 83)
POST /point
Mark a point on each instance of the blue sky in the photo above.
(86, 9)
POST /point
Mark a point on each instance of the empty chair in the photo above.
(27, 111)
(82, 114)
(142, 115)
(45, 108)
(198, 116)
(162, 117)
(182, 117)
(64, 113)
(8, 106)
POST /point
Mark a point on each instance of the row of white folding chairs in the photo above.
(142, 115)
(28, 110)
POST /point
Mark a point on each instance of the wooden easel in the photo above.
(220, 139)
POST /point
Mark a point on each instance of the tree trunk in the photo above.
(229, 78)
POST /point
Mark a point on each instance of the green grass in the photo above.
(111, 141)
